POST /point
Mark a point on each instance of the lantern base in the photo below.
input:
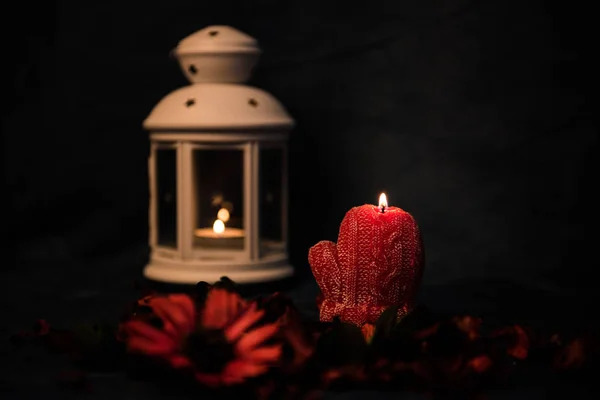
(190, 274)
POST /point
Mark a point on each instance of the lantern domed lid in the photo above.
(217, 39)
(218, 106)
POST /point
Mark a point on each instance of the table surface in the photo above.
(32, 372)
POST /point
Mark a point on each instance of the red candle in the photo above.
(377, 263)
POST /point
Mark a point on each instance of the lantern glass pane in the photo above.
(166, 197)
(271, 199)
(218, 199)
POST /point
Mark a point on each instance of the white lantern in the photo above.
(217, 169)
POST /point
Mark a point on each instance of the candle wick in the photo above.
(382, 208)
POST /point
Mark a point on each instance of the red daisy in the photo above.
(224, 313)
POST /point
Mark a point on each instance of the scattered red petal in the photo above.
(469, 325)
(520, 347)
(480, 363)
(368, 331)
(427, 332)
(41, 327)
(572, 356)
(331, 375)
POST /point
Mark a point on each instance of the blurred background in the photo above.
(474, 116)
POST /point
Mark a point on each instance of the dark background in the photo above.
(474, 116)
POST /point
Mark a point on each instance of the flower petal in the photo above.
(220, 308)
(236, 371)
(179, 361)
(211, 380)
(212, 316)
(255, 338)
(266, 354)
(175, 314)
(148, 347)
(186, 303)
(136, 328)
(249, 318)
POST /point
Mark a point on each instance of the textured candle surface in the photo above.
(377, 263)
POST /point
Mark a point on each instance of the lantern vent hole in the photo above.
(253, 102)
(190, 102)
(213, 33)
(193, 70)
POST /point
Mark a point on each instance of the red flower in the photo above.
(223, 312)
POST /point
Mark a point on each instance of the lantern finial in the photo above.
(217, 54)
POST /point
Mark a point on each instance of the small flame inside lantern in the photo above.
(219, 226)
(223, 214)
(383, 202)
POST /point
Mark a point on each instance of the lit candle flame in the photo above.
(219, 226)
(383, 202)
(223, 214)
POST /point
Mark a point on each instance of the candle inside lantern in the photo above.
(220, 235)
(219, 230)
(376, 263)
